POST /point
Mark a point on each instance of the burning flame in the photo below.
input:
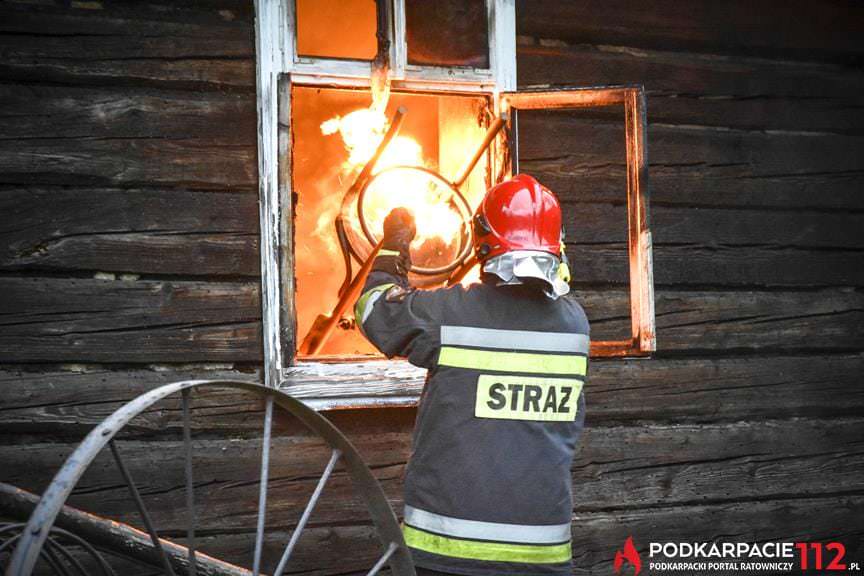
(421, 193)
(362, 131)
(438, 223)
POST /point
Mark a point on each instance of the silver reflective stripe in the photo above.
(475, 530)
(370, 303)
(514, 339)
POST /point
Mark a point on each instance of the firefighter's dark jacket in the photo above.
(487, 488)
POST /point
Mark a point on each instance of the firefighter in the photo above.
(487, 488)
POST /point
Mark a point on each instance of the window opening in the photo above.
(335, 134)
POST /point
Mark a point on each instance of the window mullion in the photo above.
(399, 46)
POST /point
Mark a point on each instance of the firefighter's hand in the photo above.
(399, 231)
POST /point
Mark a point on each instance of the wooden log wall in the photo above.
(128, 259)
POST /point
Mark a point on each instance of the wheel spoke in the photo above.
(142, 509)
(10, 541)
(383, 560)
(11, 527)
(54, 560)
(262, 492)
(77, 540)
(307, 512)
(190, 486)
(76, 565)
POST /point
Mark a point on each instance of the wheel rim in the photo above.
(41, 520)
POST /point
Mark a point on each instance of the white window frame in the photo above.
(366, 382)
(500, 76)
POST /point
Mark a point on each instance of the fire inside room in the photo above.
(335, 134)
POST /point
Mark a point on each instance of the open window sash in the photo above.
(639, 247)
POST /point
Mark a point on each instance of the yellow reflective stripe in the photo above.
(489, 551)
(383, 252)
(360, 309)
(512, 361)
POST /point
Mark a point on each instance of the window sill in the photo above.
(374, 383)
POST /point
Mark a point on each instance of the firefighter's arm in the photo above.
(399, 321)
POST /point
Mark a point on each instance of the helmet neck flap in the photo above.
(514, 267)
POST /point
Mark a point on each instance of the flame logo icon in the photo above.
(630, 555)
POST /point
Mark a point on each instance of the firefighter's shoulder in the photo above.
(575, 314)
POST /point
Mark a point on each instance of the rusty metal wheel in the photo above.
(393, 549)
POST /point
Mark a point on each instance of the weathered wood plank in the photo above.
(687, 88)
(692, 321)
(33, 111)
(141, 162)
(694, 165)
(724, 389)
(590, 144)
(167, 252)
(117, 321)
(72, 401)
(83, 320)
(68, 403)
(715, 227)
(806, 31)
(663, 465)
(152, 18)
(129, 45)
(777, 229)
(128, 60)
(622, 467)
(721, 265)
(706, 185)
(138, 231)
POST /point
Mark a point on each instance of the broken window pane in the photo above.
(447, 33)
(337, 29)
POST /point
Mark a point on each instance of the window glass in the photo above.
(447, 33)
(337, 29)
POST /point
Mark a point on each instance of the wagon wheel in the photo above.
(33, 537)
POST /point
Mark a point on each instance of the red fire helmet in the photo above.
(518, 214)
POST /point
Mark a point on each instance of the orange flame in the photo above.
(424, 195)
